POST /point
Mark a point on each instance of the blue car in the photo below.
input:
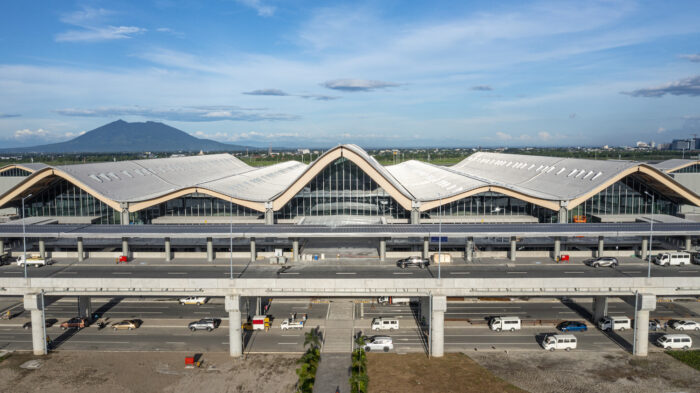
(571, 326)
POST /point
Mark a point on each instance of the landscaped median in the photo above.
(691, 358)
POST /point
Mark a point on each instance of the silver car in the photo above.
(413, 261)
(602, 261)
(207, 324)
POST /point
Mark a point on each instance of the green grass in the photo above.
(691, 358)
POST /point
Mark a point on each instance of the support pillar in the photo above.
(437, 322)
(210, 250)
(469, 251)
(557, 248)
(513, 248)
(258, 305)
(563, 216)
(42, 248)
(426, 247)
(81, 256)
(382, 250)
(125, 246)
(688, 243)
(2, 246)
(641, 335)
(124, 214)
(600, 308)
(645, 248)
(415, 212)
(269, 214)
(232, 304)
(601, 246)
(168, 254)
(252, 249)
(295, 250)
(85, 307)
(35, 304)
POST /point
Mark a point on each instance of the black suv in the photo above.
(413, 261)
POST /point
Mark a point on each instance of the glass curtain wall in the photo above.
(342, 188)
(695, 168)
(15, 172)
(62, 198)
(625, 197)
(195, 204)
(491, 204)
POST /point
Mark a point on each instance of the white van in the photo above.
(566, 342)
(505, 323)
(672, 259)
(385, 324)
(614, 323)
(675, 341)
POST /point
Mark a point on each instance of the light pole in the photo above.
(230, 236)
(651, 234)
(439, 235)
(24, 238)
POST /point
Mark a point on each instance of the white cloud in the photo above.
(257, 5)
(661, 130)
(357, 84)
(30, 134)
(93, 27)
(189, 113)
(695, 58)
(503, 136)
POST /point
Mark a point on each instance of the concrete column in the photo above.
(437, 322)
(42, 248)
(415, 212)
(382, 250)
(513, 248)
(641, 335)
(2, 246)
(125, 246)
(252, 249)
(645, 248)
(210, 250)
(81, 255)
(84, 307)
(124, 214)
(258, 305)
(600, 308)
(168, 254)
(295, 249)
(601, 246)
(563, 216)
(35, 304)
(269, 217)
(426, 247)
(557, 248)
(232, 304)
(688, 243)
(469, 251)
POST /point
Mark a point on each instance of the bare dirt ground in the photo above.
(122, 372)
(389, 373)
(585, 372)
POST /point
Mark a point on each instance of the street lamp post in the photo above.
(24, 238)
(439, 235)
(651, 234)
(230, 252)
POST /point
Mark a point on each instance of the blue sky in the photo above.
(375, 73)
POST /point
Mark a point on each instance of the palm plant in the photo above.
(312, 339)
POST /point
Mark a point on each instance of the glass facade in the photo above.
(491, 204)
(62, 198)
(342, 188)
(195, 205)
(14, 172)
(695, 168)
(626, 196)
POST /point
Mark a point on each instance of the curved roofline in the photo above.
(326, 159)
(648, 170)
(547, 204)
(42, 174)
(679, 167)
(134, 207)
(19, 166)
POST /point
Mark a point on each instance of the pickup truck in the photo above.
(291, 324)
(74, 323)
(32, 260)
(395, 300)
(198, 300)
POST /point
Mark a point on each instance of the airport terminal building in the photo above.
(347, 185)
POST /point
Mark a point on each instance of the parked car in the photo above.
(198, 300)
(5, 258)
(686, 325)
(602, 261)
(572, 326)
(207, 324)
(566, 342)
(384, 343)
(654, 325)
(74, 323)
(675, 341)
(413, 261)
(126, 325)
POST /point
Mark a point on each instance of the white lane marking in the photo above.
(13, 272)
(290, 335)
(574, 272)
(403, 273)
(460, 273)
(286, 343)
(67, 273)
(121, 273)
(688, 271)
(291, 273)
(566, 312)
(483, 308)
(346, 273)
(177, 273)
(478, 313)
(632, 271)
(516, 272)
(174, 342)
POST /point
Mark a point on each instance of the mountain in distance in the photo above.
(124, 137)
